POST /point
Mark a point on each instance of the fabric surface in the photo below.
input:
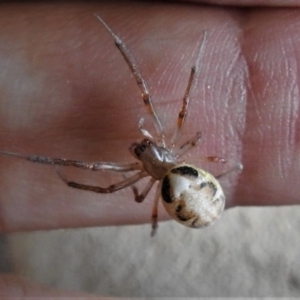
(249, 252)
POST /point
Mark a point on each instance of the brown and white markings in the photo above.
(190, 195)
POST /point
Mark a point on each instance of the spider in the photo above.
(191, 196)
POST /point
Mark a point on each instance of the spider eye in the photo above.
(146, 142)
(139, 149)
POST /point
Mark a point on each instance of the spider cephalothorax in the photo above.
(156, 160)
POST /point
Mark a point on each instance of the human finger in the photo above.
(67, 92)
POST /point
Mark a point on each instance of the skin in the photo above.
(64, 85)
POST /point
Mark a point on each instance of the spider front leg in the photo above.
(234, 165)
(188, 145)
(94, 166)
(139, 80)
(186, 99)
(143, 130)
(104, 190)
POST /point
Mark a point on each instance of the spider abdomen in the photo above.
(192, 196)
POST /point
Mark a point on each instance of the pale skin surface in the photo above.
(66, 92)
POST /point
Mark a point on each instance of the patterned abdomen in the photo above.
(192, 196)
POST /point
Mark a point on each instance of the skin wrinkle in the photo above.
(288, 124)
(292, 134)
(234, 61)
(229, 69)
(186, 65)
(280, 112)
(184, 73)
(163, 74)
(255, 103)
(237, 61)
(211, 117)
(267, 86)
(275, 115)
(249, 91)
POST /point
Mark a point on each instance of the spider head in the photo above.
(156, 160)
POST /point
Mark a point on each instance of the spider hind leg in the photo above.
(140, 197)
(103, 190)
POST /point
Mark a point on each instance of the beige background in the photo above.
(249, 252)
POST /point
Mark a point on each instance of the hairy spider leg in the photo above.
(189, 144)
(139, 80)
(234, 165)
(215, 159)
(186, 98)
(94, 166)
(104, 190)
(140, 197)
(155, 209)
(143, 130)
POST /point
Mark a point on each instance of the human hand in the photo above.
(64, 81)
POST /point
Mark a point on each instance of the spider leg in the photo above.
(144, 131)
(184, 148)
(94, 166)
(139, 80)
(216, 159)
(186, 99)
(103, 190)
(141, 197)
(234, 165)
(155, 210)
